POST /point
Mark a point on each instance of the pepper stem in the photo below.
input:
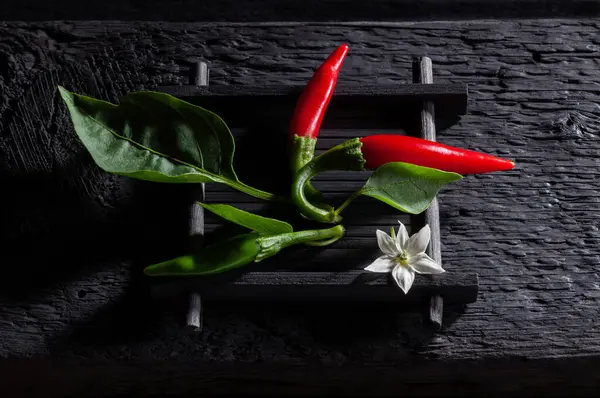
(302, 150)
(323, 243)
(345, 156)
(271, 245)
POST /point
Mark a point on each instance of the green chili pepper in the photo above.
(239, 251)
(220, 257)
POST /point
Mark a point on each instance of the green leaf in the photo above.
(407, 187)
(260, 224)
(156, 137)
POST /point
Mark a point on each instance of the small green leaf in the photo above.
(260, 224)
(407, 187)
(156, 137)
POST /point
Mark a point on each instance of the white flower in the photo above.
(404, 256)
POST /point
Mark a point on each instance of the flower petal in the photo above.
(402, 237)
(418, 242)
(423, 264)
(386, 243)
(404, 277)
(382, 264)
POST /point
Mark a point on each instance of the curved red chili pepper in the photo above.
(309, 112)
(385, 148)
(313, 102)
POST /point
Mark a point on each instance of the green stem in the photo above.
(323, 243)
(306, 208)
(346, 156)
(271, 245)
(302, 151)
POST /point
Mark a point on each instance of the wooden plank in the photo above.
(459, 288)
(529, 233)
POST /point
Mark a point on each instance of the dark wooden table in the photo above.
(76, 320)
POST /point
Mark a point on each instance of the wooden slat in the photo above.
(412, 92)
(356, 107)
(197, 221)
(423, 73)
(327, 134)
(352, 231)
(320, 286)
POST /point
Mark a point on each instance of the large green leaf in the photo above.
(407, 187)
(156, 137)
(260, 224)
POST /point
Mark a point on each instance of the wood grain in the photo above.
(531, 233)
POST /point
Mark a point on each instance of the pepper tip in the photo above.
(338, 56)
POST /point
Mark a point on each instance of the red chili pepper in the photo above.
(381, 149)
(376, 150)
(309, 112)
(313, 102)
